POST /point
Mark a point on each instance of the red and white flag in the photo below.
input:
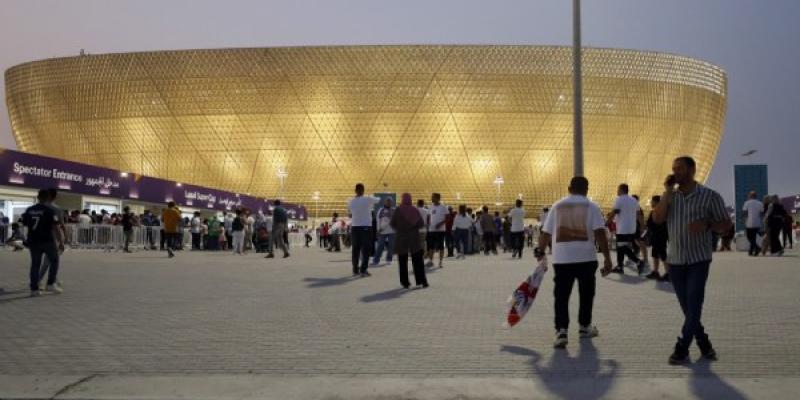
(522, 298)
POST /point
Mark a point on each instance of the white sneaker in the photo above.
(588, 331)
(561, 339)
(629, 264)
(54, 289)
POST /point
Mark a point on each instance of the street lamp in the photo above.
(282, 174)
(498, 181)
(577, 91)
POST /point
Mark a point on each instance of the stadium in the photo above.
(479, 124)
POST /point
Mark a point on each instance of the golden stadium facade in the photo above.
(398, 118)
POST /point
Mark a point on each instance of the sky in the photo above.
(755, 41)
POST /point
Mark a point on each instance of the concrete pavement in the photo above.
(230, 326)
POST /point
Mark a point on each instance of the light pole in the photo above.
(577, 96)
(282, 174)
(498, 180)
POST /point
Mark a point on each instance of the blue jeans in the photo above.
(384, 240)
(462, 238)
(49, 250)
(689, 282)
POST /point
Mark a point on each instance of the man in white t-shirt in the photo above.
(361, 229)
(227, 222)
(517, 216)
(573, 226)
(753, 213)
(423, 232)
(626, 211)
(195, 230)
(542, 218)
(436, 228)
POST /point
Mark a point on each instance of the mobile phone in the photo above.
(671, 180)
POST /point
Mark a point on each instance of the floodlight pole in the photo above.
(577, 96)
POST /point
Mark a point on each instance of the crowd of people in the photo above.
(681, 231)
(240, 230)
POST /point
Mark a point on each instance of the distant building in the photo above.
(748, 178)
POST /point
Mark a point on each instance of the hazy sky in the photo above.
(755, 41)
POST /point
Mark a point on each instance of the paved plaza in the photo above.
(217, 325)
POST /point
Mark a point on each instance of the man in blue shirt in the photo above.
(45, 238)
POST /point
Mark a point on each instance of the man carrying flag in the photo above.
(574, 224)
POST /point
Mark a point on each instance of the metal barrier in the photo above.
(112, 237)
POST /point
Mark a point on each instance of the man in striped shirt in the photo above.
(691, 212)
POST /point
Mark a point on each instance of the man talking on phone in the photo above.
(691, 212)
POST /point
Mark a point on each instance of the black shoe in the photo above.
(365, 274)
(664, 278)
(618, 270)
(286, 255)
(706, 349)
(561, 339)
(270, 255)
(640, 267)
(653, 275)
(680, 355)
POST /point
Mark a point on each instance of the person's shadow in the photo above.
(326, 282)
(10, 295)
(705, 384)
(384, 296)
(584, 376)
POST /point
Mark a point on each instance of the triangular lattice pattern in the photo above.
(398, 118)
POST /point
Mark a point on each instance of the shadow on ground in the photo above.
(391, 294)
(631, 280)
(325, 282)
(586, 376)
(559, 373)
(705, 384)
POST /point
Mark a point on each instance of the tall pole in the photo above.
(577, 96)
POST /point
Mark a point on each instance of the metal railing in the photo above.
(112, 237)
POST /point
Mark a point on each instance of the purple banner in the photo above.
(35, 172)
(792, 204)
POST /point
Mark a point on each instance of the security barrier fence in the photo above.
(112, 237)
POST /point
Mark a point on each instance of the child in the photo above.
(223, 240)
(16, 240)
